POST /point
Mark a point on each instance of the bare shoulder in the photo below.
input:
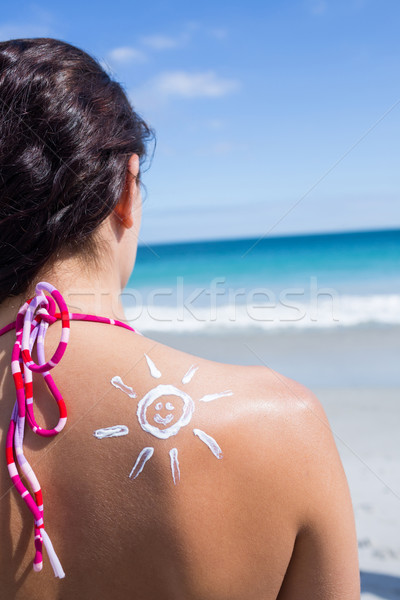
(247, 397)
(252, 407)
(273, 430)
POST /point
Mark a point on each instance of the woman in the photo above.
(174, 477)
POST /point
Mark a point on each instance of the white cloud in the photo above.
(153, 95)
(126, 55)
(167, 42)
(193, 85)
(161, 42)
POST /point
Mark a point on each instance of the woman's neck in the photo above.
(84, 289)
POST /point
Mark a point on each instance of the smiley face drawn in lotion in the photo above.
(151, 397)
(164, 420)
(163, 411)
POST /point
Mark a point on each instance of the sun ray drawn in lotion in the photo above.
(113, 431)
(170, 409)
(120, 385)
(153, 369)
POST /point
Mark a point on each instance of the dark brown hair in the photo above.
(67, 131)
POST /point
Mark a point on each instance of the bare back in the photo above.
(246, 499)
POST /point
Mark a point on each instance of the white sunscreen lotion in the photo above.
(154, 372)
(113, 431)
(120, 385)
(141, 460)
(210, 397)
(188, 376)
(209, 441)
(176, 474)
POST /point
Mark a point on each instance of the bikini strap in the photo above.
(31, 325)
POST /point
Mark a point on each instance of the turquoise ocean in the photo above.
(318, 281)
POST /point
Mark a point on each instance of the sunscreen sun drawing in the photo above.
(162, 412)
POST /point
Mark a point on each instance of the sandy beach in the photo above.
(341, 357)
(355, 374)
(365, 422)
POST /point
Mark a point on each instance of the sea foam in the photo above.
(338, 311)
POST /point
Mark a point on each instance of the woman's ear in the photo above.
(124, 208)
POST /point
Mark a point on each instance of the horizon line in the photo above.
(145, 244)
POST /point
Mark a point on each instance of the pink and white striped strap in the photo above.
(31, 325)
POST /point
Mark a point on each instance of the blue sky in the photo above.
(271, 117)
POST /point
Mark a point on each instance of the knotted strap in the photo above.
(31, 325)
